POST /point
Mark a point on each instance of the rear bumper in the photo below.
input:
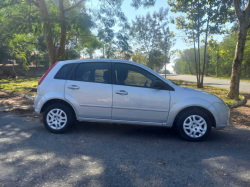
(38, 103)
(37, 111)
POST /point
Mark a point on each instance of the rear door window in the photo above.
(93, 72)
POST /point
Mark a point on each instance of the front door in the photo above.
(134, 98)
(90, 90)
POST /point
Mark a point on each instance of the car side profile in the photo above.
(120, 91)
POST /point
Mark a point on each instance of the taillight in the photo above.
(46, 73)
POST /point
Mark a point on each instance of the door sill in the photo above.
(120, 121)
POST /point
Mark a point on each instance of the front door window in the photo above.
(130, 75)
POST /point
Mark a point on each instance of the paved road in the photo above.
(93, 154)
(222, 83)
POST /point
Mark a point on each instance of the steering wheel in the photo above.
(145, 84)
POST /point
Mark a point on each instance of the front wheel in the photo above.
(194, 125)
(58, 118)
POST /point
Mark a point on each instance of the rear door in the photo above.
(134, 98)
(90, 90)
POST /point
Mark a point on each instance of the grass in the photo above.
(224, 77)
(229, 78)
(219, 92)
(22, 85)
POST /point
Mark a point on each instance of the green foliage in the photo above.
(223, 52)
(27, 26)
(138, 57)
(198, 12)
(185, 63)
(71, 54)
(202, 17)
(153, 38)
(165, 71)
(155, 60)
(152, 32)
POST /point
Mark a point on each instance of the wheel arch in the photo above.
(54, 101)
(198, 108)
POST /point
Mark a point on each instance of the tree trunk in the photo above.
(199, 85)
(194, 48)
(207, 67)
(243, 19)
(14, 67)
(236, 67)
(165, 65)
(61, 50)
(205, 53)
(103, 51)
(47, 31)
(217, 64)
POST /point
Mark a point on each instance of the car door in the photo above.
(90, 91)
(134, 98)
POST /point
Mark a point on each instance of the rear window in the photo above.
(64, 72)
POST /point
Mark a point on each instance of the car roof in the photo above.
(95, 60)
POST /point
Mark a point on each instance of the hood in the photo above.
(202, 94)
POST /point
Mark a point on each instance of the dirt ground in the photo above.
(241, 115)
(11, 102)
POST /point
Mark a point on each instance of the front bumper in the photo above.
(221, 113)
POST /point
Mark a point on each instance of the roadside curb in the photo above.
(238, 103)
(20, 95)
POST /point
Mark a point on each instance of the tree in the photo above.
(221, 55)
(152, 35)
(202, 18)
(243, 21)
(138, 57)
(165, 72)
(62, 21)
(154, 61)
(185, 64)
(91, 45)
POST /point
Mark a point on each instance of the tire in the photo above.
(194, 125)
(58, 118)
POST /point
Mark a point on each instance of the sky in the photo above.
(130, 12)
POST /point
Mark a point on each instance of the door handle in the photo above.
(121, 92)
(73, 87)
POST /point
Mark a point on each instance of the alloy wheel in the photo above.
(195, 126)
(56, 119)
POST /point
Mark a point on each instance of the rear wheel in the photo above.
(194, 125)
(58, 118)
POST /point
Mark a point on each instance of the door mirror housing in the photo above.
(157, 84)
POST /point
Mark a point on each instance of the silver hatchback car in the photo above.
(119, 91)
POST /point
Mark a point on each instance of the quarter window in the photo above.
(126, 74)
(92, 72)
(64, 72)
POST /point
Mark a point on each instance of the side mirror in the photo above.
(157, 84)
